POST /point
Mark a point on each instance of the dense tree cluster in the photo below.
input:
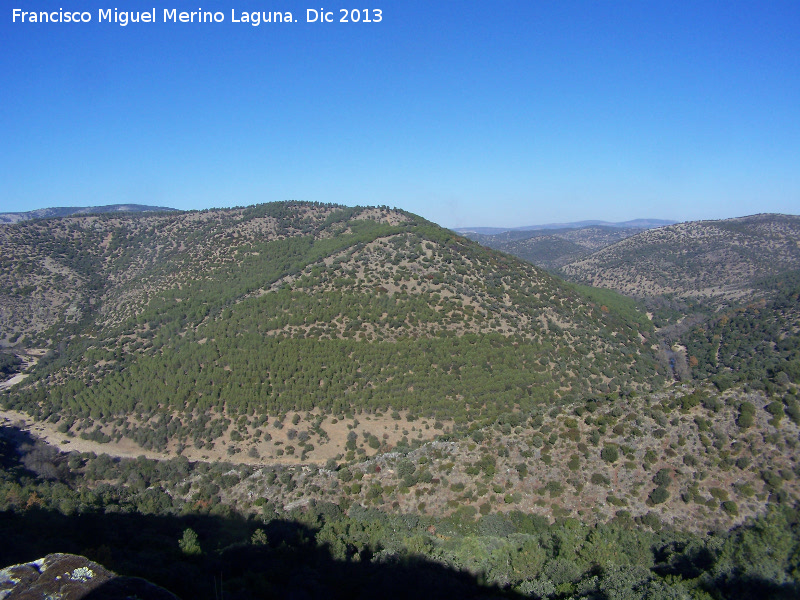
(759, 342)
(295, 306)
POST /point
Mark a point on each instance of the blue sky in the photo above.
(469, 113)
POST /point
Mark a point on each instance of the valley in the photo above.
(401, 391)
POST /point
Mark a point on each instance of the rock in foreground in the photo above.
(71, 577)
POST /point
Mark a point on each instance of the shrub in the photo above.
(405, 468)
(425, 476)
(746, 415)
(189, 544)
(659, 495)
(259, 538)
(772, 480)
(718, 493)
(662, 478)
(554, 487)
(712, 403)
(730, 507)
(776, 410)
(652, 521)
(793, 410)
(609, 453)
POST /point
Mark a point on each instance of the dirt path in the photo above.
(338, 432)
(18, 378)
(270, 443)
(48, 432)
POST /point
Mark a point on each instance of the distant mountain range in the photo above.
(65, 211)
(633, 224)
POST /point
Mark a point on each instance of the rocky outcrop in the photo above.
(71, 577)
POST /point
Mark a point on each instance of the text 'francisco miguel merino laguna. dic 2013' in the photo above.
(171, 15)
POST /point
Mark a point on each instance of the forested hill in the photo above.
(716, 263)
(166, 327)
(554, 248)
(65, 211)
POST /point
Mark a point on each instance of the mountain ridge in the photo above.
(633, 223)
(65, 211)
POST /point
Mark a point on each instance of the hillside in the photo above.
(521, 232)
(554, 248)
(355, 402)
(686, 493)
(715, 263)
(757, 342)
(176, 330)
(65, 211)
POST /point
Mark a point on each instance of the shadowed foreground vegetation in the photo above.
(204, 549)
(394, 556)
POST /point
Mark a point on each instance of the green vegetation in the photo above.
(755, 343)
(383, 310)
(476, 417)
(9, 364)
(163, 521)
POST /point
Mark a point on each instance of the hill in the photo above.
(633, 224)
(715, 263)
(554, 248)
(176, 330)
(65, 211)
(321, 349)
(757, 342)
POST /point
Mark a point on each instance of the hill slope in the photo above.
(554, 248)
(168, 328)
(713, 262)
(65, 211)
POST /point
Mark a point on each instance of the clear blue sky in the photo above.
(469, 113)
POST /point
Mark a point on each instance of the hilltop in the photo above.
(180, 330)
